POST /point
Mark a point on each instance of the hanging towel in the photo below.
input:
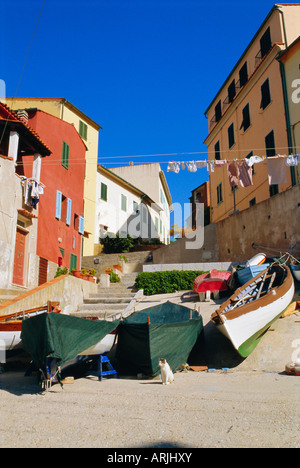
(276, 170)
(173, 167)
(253, 160)
(220, 163)
(191, 166)
(211, 166)
(233, 174)
(245, 174)
(201, 164)
(292, 160)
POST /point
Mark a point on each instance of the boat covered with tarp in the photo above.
(63, 337)
(167, 331)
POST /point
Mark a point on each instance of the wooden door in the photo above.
(43, 271)
(18, 275)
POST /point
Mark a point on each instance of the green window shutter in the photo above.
(103, 191)
(83, 130)
(73, 262)
(65, 155)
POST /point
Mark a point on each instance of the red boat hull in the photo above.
(213, 281)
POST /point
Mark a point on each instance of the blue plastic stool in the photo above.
(103, 359)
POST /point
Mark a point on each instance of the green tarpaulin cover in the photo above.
(171, 334)
(61, 336)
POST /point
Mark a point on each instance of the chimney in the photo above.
(23, 115)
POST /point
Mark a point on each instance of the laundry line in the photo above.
(240, 170)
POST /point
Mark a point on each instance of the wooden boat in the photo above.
(64, 338)
(245, 274)
(258, 259)
(167, 331)
(214, 281)
(296, 271)
(11, 325)
(249, 312)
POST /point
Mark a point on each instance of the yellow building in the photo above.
(289, 60)
(89, 132)
(247, 117)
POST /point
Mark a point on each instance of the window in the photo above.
(58, 204)
(83, 130)
(65, 155)
(231, 91)
(219, 193)
(73, 262)
(218, 111)
(145, 213)
(231, 136)
(271, 151)
(270, 144)
(123, 203)
(217, 151)
(135, 206)
(252, 202)
(265, 94)
(156, 223)
(246, 118)
(103, 191)
(69, 208)
(243, 73)
(265, 43)
(81, 225)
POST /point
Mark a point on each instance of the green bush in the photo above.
(61, 271)
(114, 278)
(165, 282)
(117, 244)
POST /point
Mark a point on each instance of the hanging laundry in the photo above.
(183, 166)
(253, 160)
(191, 166)
(220, 162)
(201, 164)
(233, 174)
(173, 167)
(292, 160)
(245, 174)
(277, 170)
(27, 192)
(211, 166)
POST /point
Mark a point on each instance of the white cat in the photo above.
(167, 375)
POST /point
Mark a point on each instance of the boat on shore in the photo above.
(295, 267)
(214, 281)
(11, 324)
(249, 312)
(167, 331)
(64, 339)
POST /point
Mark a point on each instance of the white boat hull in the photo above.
(241, 329)
(10, 340)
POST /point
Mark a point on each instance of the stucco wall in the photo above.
(189, 251)
(274, 223)
(67, 290)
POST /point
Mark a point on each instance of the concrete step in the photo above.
(108, 300)
(104, 314)
(103, 306)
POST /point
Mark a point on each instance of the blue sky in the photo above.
(145, 70)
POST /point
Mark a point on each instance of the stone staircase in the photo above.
(109, 302)
(11, 293)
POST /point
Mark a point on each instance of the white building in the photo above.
(123, 208)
